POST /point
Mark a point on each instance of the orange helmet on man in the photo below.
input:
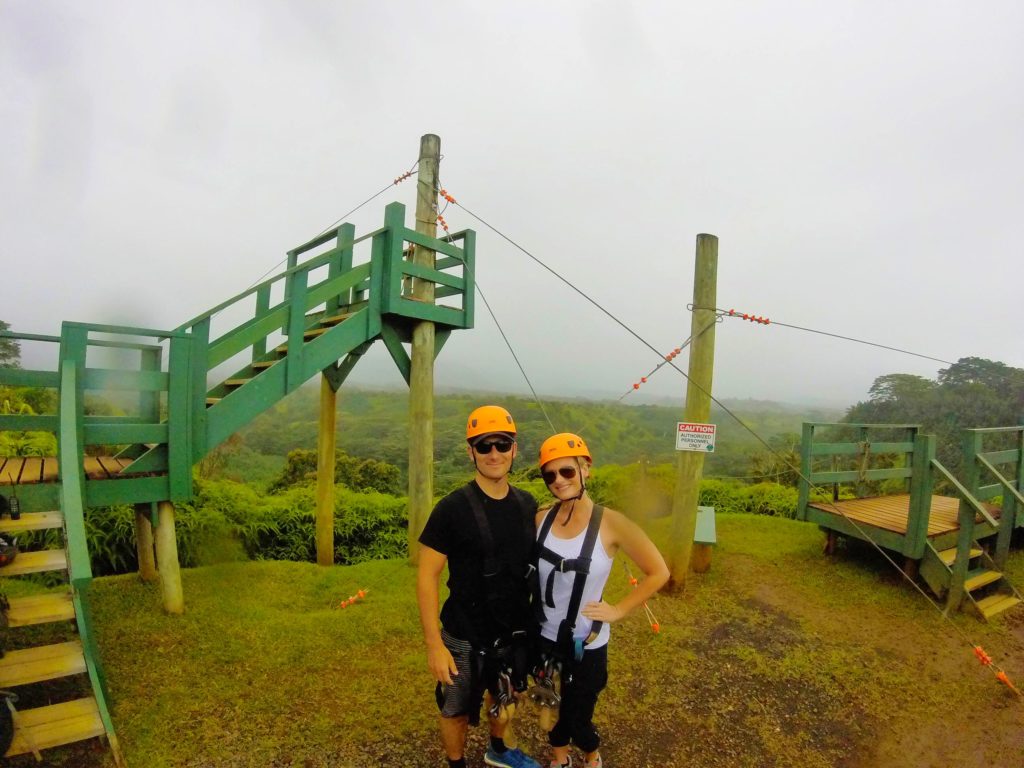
(489, 420)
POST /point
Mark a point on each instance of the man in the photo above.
(485, 533)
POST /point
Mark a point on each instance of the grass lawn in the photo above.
(778, 656)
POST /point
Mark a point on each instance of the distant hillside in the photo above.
(373, 424)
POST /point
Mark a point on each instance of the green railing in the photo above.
(994, 467)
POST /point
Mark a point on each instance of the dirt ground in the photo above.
(757, 668)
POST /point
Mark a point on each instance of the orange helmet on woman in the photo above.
(488, 419)
(563, 445)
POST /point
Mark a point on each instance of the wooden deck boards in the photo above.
(45, 469)
(892, 512)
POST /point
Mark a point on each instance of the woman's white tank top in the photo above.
(600, 568)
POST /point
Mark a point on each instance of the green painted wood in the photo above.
(153, 459)
(441, 336)
(341, 264)
(123, 380)
(80, 595)
(394, 346)
(28, 337)
(149, 401)
(137, 490)
(69, 446)
(1011, 456)
(432, 275)
(921, 486)
(259, 347)
(38, 497)
(338, 373)
(296, 327)
(196, 397)
(248, 334)
(704, 533)
(20, 377)
(852, 449)
(964, 494)
(29, 423)
(118, 434)
(804, 486)
(469, 298)
(392, 259)
(179, 412)
(852, 475)
(335, 287)
(241, 406)
(328, 347)
(836, 522)
(1011, 498)
(447, 262)
(433, 243)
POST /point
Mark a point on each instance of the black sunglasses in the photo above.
(567, 472)
(484, 446)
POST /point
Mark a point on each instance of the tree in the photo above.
(900, 386)
(10, 350)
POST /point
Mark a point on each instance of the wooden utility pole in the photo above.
(144, 542)
(421, 374)
(325, 461)
(690, 464)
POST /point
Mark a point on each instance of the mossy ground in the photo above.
(779, 656)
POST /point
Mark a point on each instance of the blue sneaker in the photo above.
(510, 758)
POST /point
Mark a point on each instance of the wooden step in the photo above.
(263, 365)
(56, 724)
(977, 579)
(212, 401)
(995, 604)
(236, 382)
(32, 521)
(312, 333)
(44, 662)
(335, 319)
(36, 562)
(948, 556)
(41, 609)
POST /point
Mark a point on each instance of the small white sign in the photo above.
(695, 437)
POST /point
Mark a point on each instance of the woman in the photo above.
(576, 542)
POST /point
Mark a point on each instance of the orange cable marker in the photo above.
(983, 657)
(1002, 678)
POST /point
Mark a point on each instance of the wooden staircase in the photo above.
(25, 668)
(986, 590)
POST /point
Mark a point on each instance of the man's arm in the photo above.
(439, 658)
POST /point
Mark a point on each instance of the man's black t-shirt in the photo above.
(452, 530)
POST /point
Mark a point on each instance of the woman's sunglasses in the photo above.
(551, 475)
(484, 446)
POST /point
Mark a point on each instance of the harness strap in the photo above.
(581, 565)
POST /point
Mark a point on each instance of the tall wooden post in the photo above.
(167, 560)
(690, 464)
(325, 461)
(421, 375)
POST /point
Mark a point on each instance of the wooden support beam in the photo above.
(144, 543)
(167, 560)
(325, 462)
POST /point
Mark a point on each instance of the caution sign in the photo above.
(695, 437)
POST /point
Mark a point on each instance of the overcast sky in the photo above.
(861, 162)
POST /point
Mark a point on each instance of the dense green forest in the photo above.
(254, 495)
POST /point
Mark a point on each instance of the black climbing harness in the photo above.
(581, 566)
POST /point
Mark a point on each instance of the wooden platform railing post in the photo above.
(144, 542)
(325, 463)
(167, 560)
(804, 493)
(920, 505)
